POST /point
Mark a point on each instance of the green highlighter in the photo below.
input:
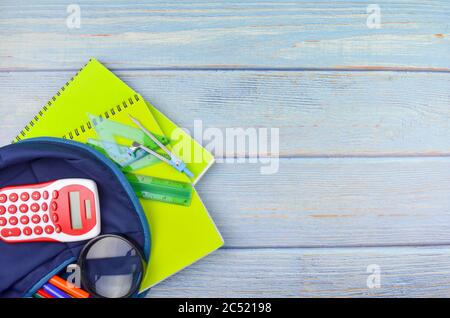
(169, 191)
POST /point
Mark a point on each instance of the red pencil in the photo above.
(44, 294)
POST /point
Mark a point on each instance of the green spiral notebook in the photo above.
(180, 235)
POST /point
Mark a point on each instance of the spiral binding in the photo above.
(106, 115)
(84, 127)
(46, 107)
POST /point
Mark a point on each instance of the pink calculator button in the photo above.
(49, 229)
(38, 230)
(44, 206)
(24, 219)
(55, 217)
(2, 221)
(13, 220)
(36, 195)
(58, 228)
(34, 207)
(55, 194)
(23, 208)
(35, 219)
(24, 196)
(11, 232)
(54, 206)
(45, 195)
(45, 218)
(2, 210)
(27, 230)
(3, 198)
(12, 209)
(13, 197)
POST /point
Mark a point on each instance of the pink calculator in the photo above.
(65, 210)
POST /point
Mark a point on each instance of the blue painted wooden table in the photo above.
(363, 113)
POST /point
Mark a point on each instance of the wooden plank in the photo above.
(225, 34)
(317, 113)
(404, 272)
(331, 202)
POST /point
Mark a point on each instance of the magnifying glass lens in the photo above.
(111, 267)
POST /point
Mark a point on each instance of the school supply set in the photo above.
(96, 127)
(27, 266)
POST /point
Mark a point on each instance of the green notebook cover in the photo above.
(93, 89)
(180, 235)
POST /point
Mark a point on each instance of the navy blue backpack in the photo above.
(25, 267)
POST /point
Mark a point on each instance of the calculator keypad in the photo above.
(41, 212)
(26, 202)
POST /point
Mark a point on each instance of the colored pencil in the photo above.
(55, 291)
(68, 287)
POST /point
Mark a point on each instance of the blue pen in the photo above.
(55, 291)
(174, 161)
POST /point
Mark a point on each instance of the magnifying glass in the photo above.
(111, 266)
